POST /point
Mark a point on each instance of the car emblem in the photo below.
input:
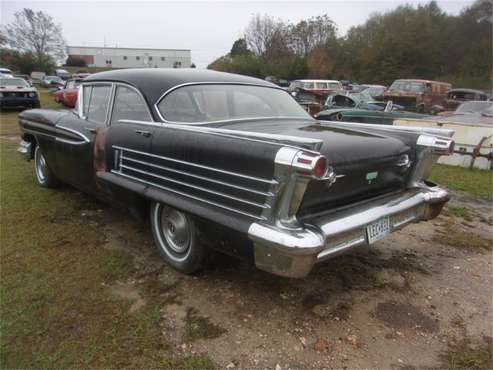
(370, 176)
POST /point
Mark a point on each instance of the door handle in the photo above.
(143, 133)
(90, 129)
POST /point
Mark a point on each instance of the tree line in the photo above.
(408, 42)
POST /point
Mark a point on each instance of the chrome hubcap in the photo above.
(41, 167)
(176, 229)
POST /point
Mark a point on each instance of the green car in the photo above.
(381, 117)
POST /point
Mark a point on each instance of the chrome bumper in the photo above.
(25, 149)
(294, 252)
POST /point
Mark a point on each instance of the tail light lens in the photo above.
(311, 165)
(320, 168)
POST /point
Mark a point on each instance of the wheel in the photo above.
(44, 176)
(176, 237)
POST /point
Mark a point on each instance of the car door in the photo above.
(127, 143)
(77, 134)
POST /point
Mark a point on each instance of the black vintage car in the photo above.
(233, 163)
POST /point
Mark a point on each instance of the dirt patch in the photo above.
(402, 316)
(130, 292)
(200, 327)
(454, 235)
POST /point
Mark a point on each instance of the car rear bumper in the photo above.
(294, 252)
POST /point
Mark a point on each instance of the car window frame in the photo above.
(113, 99)
(80, 100)
(170, 90)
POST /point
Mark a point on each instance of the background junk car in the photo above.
(232, 162)
(67, 95)
(16, 92)
(417, 95)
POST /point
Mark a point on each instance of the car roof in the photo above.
(154, 82)
(330, 81)
(418, 80)
(468, 91)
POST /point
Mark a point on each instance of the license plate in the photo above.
(378, 230)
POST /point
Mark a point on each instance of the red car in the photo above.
(68, 94)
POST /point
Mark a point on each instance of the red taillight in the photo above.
(320, 168)
(311, 165)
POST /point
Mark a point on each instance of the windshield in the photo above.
(407, 86)
(475, 107)
(209, 103)
(13, 82)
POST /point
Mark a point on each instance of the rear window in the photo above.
(209, 103)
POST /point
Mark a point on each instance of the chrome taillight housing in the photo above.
(438, 145)
(311, 165)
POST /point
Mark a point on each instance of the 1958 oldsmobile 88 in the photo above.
(234, 163)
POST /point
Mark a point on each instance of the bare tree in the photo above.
(36, 32)
(312, 33)
(262, 32)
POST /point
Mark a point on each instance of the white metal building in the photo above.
(132, 57)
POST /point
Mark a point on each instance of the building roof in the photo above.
(118, 48)
(154, 82)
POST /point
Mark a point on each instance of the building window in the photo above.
(137, 58)
(124, 57)
(162, 59)
(150, 58)
(177, 65)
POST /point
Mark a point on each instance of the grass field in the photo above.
(55, 306)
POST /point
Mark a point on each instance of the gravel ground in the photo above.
(406, 302)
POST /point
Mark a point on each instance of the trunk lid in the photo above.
(366, 163)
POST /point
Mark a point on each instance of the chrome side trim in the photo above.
(188, 195)
(280, 140)
(269, 194)
(262, 206)
(413, 129)
(75, 132)
(198, 165)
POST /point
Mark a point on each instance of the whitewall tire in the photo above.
(44, 175)
(177, 238)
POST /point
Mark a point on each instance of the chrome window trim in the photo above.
(80, 99)
(161, 117)
(116, 84)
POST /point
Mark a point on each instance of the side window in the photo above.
(86, 97)
(129, 105)
(98, 104)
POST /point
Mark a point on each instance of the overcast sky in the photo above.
(208, 28)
